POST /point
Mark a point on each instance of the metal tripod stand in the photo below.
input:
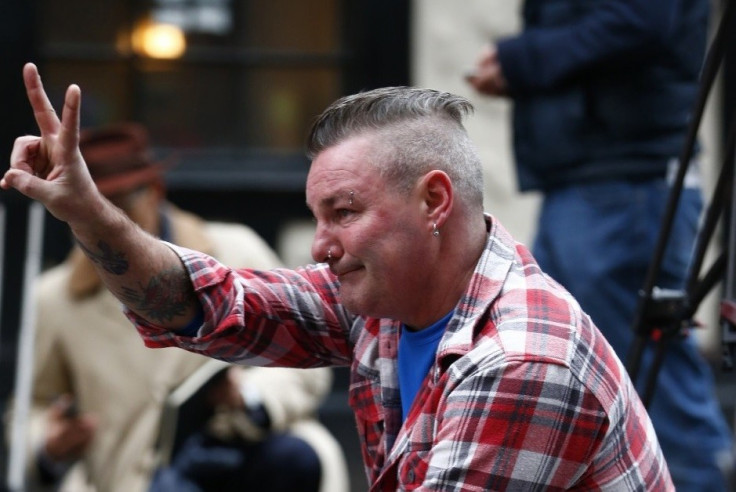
(663, 315)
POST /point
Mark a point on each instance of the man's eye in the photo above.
(343, 213)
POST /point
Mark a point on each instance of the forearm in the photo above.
(140, 270)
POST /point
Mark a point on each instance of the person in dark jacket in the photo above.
(602, 95)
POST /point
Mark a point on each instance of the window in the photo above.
(235, 107)
(253, 74)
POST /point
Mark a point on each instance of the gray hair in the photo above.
(419, 130)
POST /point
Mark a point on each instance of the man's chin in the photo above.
(356, 303)
(352, 305)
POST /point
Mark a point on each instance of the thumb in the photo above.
(31, 186)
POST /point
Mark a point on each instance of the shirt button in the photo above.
(410, 476)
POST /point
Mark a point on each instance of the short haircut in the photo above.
(419, 130)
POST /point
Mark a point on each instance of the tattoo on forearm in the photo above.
(109, 260)
(166, 296)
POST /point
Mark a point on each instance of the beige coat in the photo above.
(85, 346)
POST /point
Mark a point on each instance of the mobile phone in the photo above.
(71, 411)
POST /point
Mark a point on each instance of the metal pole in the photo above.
(3, 230)
(24, 362)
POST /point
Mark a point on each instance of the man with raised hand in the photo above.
(470, 368)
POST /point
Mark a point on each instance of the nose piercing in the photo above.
(329, 254)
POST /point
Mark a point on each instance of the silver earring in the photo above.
(435, 231)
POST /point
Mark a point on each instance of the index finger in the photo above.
(43, 111)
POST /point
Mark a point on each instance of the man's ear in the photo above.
(438, 195)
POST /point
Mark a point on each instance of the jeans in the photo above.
(598, 240)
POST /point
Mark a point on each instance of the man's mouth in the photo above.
(343, 272)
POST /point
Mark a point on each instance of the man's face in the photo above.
(376, 234)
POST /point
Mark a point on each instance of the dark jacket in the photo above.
(602, 88)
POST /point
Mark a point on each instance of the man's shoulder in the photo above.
(534, 318)
(545, 324)
(527, 314)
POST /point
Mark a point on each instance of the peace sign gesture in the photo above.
(49, 168)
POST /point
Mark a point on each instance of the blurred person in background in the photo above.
(98, 392)
(602, 96)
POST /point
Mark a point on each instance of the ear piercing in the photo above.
(435, 231)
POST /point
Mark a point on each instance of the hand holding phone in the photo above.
(68, 432)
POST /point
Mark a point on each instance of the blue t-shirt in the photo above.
(417, 350)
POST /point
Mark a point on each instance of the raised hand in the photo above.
(49, 168)
(136, 267)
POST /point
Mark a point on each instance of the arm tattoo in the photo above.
(166, 296)
(109, 260)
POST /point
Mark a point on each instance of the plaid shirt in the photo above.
(524, 394)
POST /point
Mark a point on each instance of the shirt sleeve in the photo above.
(615, 32)
(279, 317)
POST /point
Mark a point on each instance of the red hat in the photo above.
(118, 157)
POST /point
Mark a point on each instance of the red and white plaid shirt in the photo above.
(525, 393)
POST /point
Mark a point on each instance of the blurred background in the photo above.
(228, 89)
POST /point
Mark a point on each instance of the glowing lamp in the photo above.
(159, 40)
